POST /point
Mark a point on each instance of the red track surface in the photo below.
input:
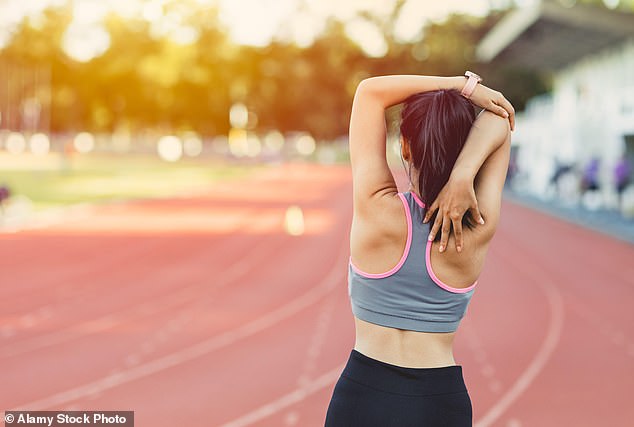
(204, 312)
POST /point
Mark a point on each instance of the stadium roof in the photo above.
(548, 36)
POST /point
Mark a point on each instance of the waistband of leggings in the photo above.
(402, 380)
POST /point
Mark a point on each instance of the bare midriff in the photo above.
(399, 347)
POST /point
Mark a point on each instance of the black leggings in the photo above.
(373, 393)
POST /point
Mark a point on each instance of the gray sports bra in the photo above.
(409, 296)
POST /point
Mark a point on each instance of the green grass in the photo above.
(50, 182)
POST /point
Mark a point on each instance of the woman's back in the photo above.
(379, 241)
(373, 255)
(376, 254)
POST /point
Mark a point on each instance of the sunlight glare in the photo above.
(368, 36)
(248, 22)
(126, 9)
(254, 22)
(86, 38)
(84, 42)
(89, 11)
(184, 35)
(152, 10)
(302, 29)
(346, 10)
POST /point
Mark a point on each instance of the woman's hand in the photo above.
(458, 195)
(455, 198)
(493, 101)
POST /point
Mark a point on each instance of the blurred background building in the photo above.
(575, 143)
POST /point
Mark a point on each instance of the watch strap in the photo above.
(472, 81)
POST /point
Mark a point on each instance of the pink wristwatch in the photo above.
(472, 81)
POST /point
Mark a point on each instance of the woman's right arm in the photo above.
(479, 172)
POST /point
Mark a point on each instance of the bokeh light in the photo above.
(84, 43)
(294, 221)
(305, 145)
(368, 36)
(84, 142)
(274, 141)
(239, 116)
(253, 146)
(170, 148)
(39, 144)
(121, 141)
(15, 143)
(237, 140)
(192, 145)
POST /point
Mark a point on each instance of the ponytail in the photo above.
(436, 125)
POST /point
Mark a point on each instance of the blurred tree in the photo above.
(37, 46)
(148, 78)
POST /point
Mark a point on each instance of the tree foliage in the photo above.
(149, 81)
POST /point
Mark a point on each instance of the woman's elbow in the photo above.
(495, 126)
(488, 229)
(366, 86)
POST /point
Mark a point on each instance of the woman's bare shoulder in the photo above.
(378, 235)
(460, 269)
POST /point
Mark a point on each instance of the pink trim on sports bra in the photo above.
(437, 280)
(408, 243)
(417, 199)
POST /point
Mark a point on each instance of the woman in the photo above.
(410, 285)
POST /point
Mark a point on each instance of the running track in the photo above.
(203, 312)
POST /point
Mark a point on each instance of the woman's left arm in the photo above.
(371, 175)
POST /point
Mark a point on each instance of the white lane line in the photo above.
(514, 422)
(246, 220)
(604, 327)
(291, 418)
(319, 337)
(553, 334)
(334, 278)
(486, 368)
(287, 400)
(180, 296)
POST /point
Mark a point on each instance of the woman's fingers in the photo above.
(430, 211)
(444, 232)
(436, 226)
(457, 229)
(499, 110)
(504, 103)
(476, 215)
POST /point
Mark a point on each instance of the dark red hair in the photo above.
(436, 125)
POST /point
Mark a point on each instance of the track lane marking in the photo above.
(334, 277)
(179, 296)
(553, 334)
(287, 400)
